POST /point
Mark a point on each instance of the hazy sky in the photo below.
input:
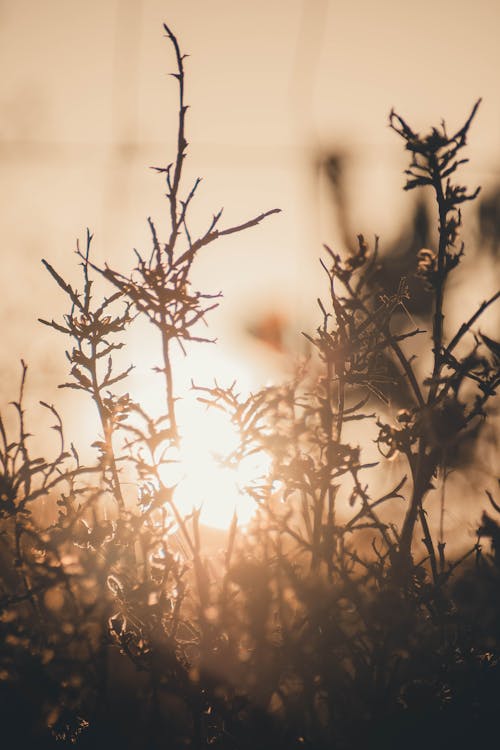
(86, 106)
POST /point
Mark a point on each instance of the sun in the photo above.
(203, 480)
(207, 435)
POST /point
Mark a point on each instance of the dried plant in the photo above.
(327, 622)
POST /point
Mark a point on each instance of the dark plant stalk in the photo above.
(181, 145)
(434, 160)
(169, 382)
(405, 364)
(107, 428)
(441, 276)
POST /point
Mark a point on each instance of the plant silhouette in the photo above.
(337, 619)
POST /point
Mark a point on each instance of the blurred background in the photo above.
(289, 108)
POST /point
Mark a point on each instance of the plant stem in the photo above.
(169, 382)
(107, 427)
(437, 327)
(415, 502)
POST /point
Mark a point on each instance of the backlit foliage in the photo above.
(337, 619)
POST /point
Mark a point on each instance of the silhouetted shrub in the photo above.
(337, 620)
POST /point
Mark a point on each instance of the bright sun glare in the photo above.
(203, 480)
(207, 436)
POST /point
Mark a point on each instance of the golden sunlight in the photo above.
(204, 479)
(208, 436)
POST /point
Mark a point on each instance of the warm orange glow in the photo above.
(203, 479)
